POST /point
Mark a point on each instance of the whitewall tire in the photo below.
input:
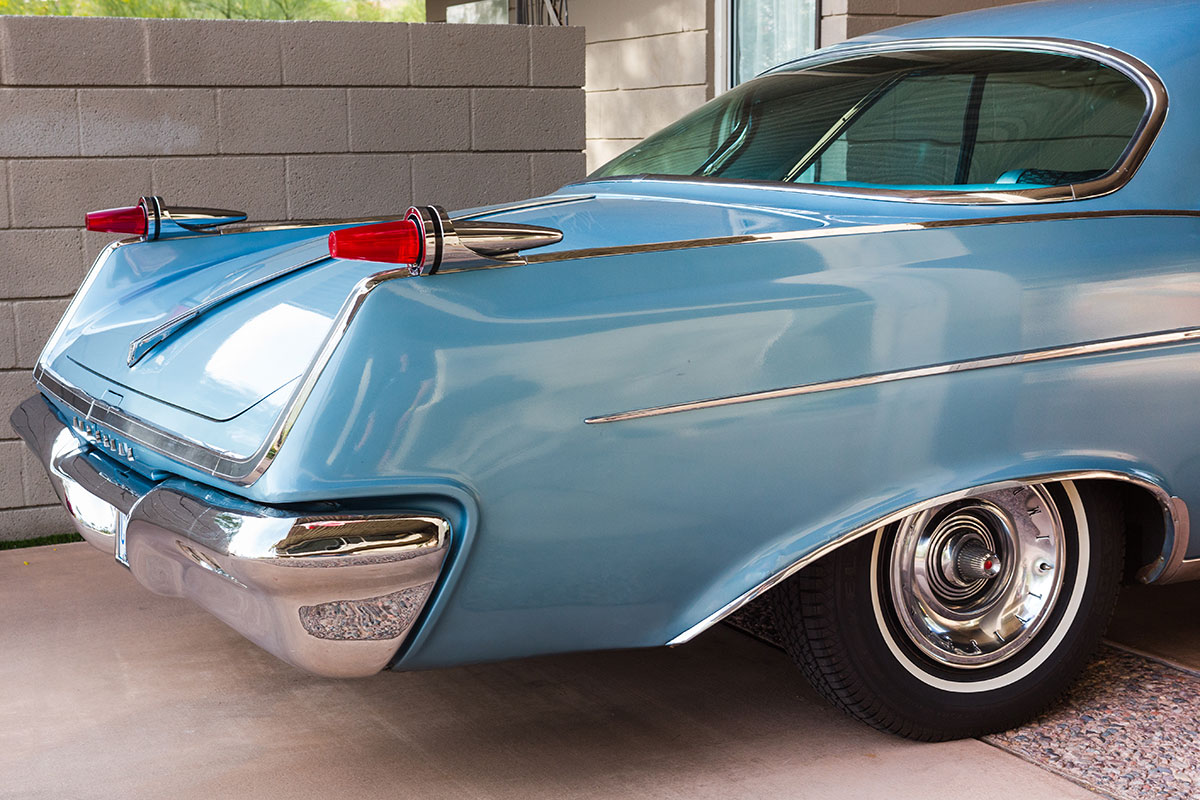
(962, 619)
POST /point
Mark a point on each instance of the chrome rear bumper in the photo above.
(333, 594)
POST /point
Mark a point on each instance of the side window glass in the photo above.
(911, 134)
(1044, 127)
(1076, 122)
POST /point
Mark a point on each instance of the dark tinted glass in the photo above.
(940, 119)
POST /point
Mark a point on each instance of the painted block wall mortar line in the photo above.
(145, 54)
(7, 195)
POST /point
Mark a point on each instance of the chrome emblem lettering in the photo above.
(102, 438)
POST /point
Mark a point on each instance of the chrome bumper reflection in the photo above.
(331, 594)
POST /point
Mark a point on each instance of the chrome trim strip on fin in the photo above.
(1004, 360)
(846, 230)
(1169, 504)
(720, 241)
(553, 200)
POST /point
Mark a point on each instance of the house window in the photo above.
(763, 33)
(480, 12)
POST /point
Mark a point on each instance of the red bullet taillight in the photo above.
(130, 219)
(401, 242)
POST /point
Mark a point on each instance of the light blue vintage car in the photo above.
(903, 335)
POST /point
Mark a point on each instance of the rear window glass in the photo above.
(942, 120)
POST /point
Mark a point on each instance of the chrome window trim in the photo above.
(1116, 345)
(244, 470)
(1135, 152)
(1173, 508)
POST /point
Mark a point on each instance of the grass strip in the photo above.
(41, 541)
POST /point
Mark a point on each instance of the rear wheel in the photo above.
(962, 619)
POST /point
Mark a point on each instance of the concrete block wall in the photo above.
(283, 120)
(647, 65)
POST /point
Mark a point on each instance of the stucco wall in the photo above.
(284, 120)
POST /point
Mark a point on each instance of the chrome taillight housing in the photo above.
(151, 218)
(427, 240)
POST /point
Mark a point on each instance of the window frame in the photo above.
(1131, 158)
(725, 34)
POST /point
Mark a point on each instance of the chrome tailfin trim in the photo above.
(848, 230)
(458, 245)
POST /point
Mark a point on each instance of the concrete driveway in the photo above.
(111, 691)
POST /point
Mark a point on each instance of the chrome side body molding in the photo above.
(1160, 339)
(332, 594)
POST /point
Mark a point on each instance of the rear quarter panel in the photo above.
(626, 534)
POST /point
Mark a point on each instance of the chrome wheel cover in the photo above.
(974, 581)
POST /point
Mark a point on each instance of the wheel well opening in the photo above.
(1145, 524)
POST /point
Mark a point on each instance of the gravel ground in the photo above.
(1129, 728)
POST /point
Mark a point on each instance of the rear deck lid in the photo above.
(239, 317)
